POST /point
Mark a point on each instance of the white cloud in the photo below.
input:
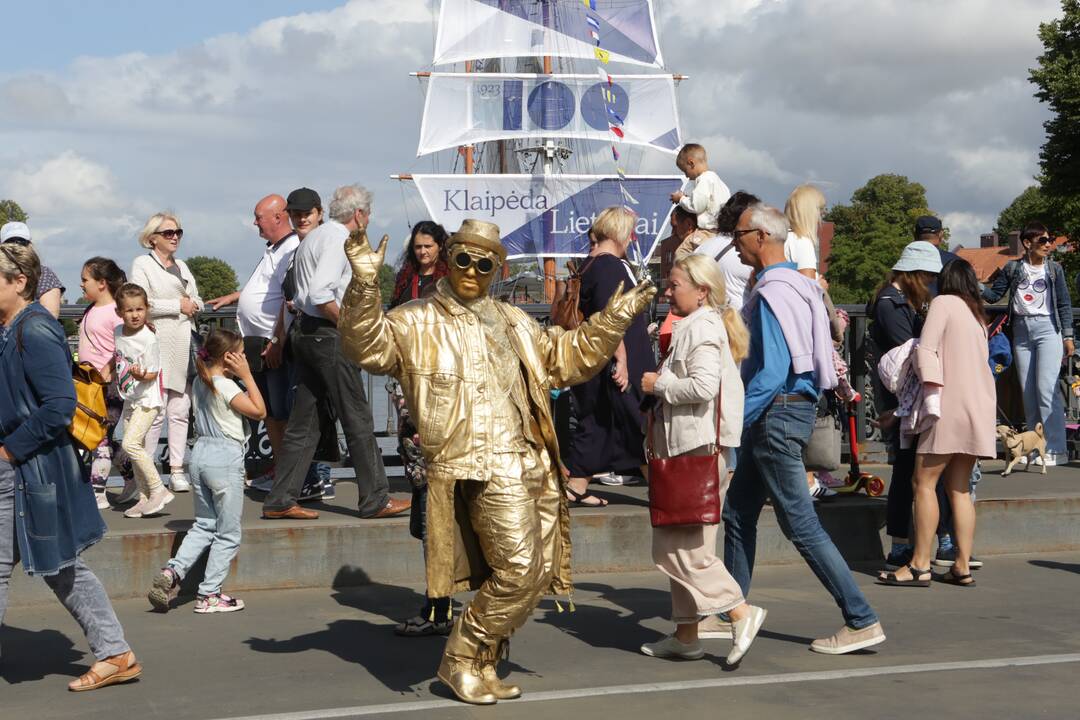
(1003, 172)
(67, 181)
(965, 227)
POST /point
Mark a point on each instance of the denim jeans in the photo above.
(1037, 349)
(216, 468)
(770, 465)
(75, 586)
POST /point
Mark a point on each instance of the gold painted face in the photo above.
(472, 271)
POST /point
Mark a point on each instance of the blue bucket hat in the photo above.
(919, 255)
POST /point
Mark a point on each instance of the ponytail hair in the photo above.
(217, 343)
(105, 270)
(705, 273)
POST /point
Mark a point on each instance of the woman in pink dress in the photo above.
(951, 357)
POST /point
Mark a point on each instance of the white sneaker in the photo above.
(1050, 460)
(745, 631)
(819, 491)
(610, 478)
(102, 500)
(157, 501)
(136, 510)
(178, 482)
(671, 647)
(711, 627)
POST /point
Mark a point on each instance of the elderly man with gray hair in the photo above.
(789, 365)
(322, 371)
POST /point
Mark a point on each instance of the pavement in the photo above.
(1009, 648)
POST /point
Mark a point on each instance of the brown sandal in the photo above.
(124, 667)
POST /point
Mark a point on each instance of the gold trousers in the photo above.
(515, 517)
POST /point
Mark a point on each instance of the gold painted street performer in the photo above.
(476, 374)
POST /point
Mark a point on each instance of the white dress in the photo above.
(173, 327)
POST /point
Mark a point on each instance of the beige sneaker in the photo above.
(136, 510)
(711, 627)
(159, 498)
(671, 647)
(849, 640)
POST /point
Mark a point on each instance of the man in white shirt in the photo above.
(322, 274)
(258, 305)
(721, 248)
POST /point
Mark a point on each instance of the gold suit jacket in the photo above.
(436, 349)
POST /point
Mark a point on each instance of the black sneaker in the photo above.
(311, 491)
(898, 558)
(947, 558)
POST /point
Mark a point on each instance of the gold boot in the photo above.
(496, 686)
(465, 682)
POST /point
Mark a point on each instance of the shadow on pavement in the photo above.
(606, 627)
(35, 654)
(1052, 565)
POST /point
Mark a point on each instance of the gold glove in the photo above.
(365, 262)
(626, 306)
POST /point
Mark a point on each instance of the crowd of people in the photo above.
(746, 357)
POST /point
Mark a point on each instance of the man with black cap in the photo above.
(928, 228)
(477, 373)
(323, 373)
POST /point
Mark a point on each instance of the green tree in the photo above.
(11, 212)
(1032, 204)
(214, 276)
(387, 279)
(870, 233)
(1058, 81)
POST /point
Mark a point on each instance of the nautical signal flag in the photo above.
(595, 36)
(602, 55)
(591, 4)
(614, 153)
(617, 130)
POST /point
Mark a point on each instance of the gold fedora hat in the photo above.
(481, 234)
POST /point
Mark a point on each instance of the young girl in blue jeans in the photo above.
(216, 468)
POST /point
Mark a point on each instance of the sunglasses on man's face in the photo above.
(484, 265)
(171, 234)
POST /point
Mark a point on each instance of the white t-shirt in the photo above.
(1030, 296)
(139, 349)
(229, 422)
(261, 298)
(800, 250)
(322, 268)
(736, 273)
(704, 197)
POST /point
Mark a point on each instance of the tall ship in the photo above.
(548, 109)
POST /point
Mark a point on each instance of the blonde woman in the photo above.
(701, 369)
(803, 210)
(174, 301)
(610, 435)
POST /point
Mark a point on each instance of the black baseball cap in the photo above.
(303, 199)
(924, 225)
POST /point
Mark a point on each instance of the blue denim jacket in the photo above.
(1056, 288)
(56, 517)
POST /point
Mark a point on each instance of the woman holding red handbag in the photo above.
(697, 413)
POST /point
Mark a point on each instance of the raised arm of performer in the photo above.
(368, 342)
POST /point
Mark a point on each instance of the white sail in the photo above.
(468, 108)
(471, 29)
(550, 215)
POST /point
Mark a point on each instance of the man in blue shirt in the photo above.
(779, 412)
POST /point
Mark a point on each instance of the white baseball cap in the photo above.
(14, 230)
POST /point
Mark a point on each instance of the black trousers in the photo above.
(323, 373)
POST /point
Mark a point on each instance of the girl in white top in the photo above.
(803, 210)
(136, 366)
(217, 473)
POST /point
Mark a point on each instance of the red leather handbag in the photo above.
(685, 489)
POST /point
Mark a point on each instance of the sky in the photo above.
(113, 110)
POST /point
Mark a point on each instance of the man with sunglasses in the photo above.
(476, 373)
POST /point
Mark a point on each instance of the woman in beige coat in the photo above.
(951, 357)
(700, 370)
(174, 301)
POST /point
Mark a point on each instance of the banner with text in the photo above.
(550, 215)
(472, 29)
(467, 108)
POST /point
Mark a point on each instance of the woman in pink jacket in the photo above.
(952, 355)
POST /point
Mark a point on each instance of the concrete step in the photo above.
(1024, 513)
